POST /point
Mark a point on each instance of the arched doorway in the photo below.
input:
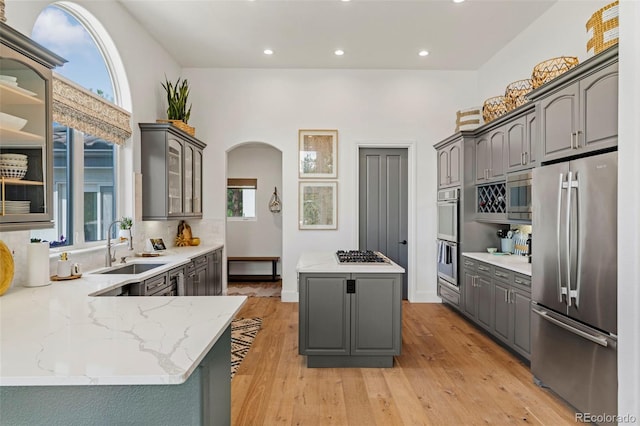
(254, 172)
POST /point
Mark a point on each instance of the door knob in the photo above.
(403, 242)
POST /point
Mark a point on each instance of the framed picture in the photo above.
(318, 153)
(318, 205)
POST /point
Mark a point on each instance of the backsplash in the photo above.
(209, 230)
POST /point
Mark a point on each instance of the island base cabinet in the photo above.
(204, 399)
(350, 320)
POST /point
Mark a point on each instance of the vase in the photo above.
(38, 265)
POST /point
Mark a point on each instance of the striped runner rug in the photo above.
(243, 332)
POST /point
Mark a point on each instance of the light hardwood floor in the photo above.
(449, 373)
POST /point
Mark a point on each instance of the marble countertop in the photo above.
(325, 261)
(515, 263)
(62, 334)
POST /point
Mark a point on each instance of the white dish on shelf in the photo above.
(5, 77)
(9, 156)
(15, 86)
(12, 122)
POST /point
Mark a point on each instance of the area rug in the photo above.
(243, 332)
(256, 289)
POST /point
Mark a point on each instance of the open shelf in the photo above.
(19, 138)
(18, 96)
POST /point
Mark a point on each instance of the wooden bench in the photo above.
(274, 265)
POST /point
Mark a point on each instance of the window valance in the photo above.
(77, 107)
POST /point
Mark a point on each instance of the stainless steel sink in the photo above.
(132, 268)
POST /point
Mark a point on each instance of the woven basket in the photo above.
(180, 125)
(493, 108)
(469, 118)
(602, 28)
(515, 93)
(551, 68)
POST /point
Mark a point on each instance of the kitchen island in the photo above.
(350, 315)
(69, 357)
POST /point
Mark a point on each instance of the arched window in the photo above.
(88, 125)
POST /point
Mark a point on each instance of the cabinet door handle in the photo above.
(506, 296)
(578, 138)
(526, 157)
(574, 140)
(522, 163)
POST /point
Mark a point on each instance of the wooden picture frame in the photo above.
(318, 154)
(318, 205)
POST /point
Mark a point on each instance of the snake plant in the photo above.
(177, 95)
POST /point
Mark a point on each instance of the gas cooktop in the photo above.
(363, 257)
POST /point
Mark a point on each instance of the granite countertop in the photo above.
(62, 335)
(326, 261)
(513, 262)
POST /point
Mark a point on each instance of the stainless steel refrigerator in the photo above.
(574, 281)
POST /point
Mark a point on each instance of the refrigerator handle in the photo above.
(568, 238)
(595, 339)
(576, 293)
(558, 220)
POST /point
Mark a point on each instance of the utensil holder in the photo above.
(506, 245)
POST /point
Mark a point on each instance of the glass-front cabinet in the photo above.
(26, 132)
(174, 175)
(171, 163)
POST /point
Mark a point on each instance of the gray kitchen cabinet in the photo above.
(198, 276)
(350, 320)
(499, 300)
(204, 275)
(450, 165)
(26, 196)
(171, 163)
(490, 156)
(522, 143)
(478, 292)
(214, 259)
(449, 293)
(579, 113)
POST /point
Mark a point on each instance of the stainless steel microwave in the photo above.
(519, 196)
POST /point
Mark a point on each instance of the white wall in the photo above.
(262, 236)
(231, 106)
(560, 31)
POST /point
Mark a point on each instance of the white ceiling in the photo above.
(375, 34)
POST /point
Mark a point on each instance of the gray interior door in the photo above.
(383, 204)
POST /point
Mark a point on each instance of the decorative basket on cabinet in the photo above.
(602, 28)
(515, 93)
(493, 108)
(180, 125)
(468, 118)
(547, 70)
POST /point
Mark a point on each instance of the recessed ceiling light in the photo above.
(458, 1)
(423, 53)
(346, 0)
(339, 52)
(268, 52)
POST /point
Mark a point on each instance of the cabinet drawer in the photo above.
(469, 263)
(448, 294)
(503, 274)
(200, 261)
(484, 268)
(522, 281)
(153, 285)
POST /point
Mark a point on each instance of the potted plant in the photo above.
(177, 111)
(125, 228)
